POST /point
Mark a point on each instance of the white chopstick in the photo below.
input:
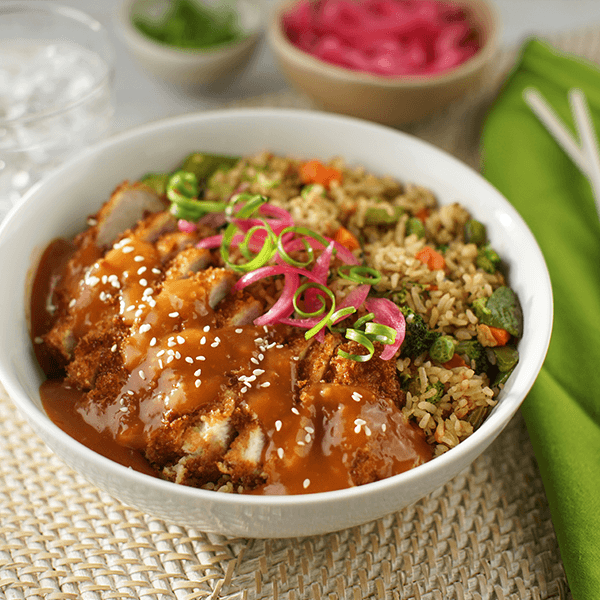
(584, 152)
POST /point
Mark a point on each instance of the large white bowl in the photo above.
(59, 206)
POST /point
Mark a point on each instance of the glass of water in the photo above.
(56, 90)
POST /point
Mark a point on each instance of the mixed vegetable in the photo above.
(258, 240)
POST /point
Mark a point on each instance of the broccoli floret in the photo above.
(476, 355)
(441, 390)
(419, 337)
(488, 259)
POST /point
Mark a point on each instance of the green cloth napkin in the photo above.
(562, 411)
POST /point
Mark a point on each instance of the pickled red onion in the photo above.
(387, 313)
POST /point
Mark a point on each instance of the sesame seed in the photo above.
(128, 249)
(279, 346)
(170, 359)
(72, 303)
(244, 390)
(295, 410)
(123, 409)
(156, 271)
(258, 372)
(239, 330)
(265, 384)
(307, 438)
(104, 278)
(356, 396)
(189, 359)
(160, 363)
(174, 314)
(143, 282)
(171, 352)
(130, 392)
(153, 341)
(113, 348)
(200, 357)
(138, 258)
(130, 308)
(180, 339)
(142, 270)
(160, 353)
(171, 342)
(309, 429)
(254, 360)
(261, 357)
(145, 327)
(206, 328)
(306, 483)
(203, 340)
(278, 425)
(198, 383)
(198, 372)
(383, 427)
(367, 430)
(177, 355)
(301, 443)
(103, 296)
(280, 452)
(142, 374)
(214, 344)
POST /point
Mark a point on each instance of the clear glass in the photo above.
(56, 90)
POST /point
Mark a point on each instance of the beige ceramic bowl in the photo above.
(391, 101)
(190, 67)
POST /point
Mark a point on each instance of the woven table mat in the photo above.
(487, 534)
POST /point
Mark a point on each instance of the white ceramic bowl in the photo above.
(190, 67)
(59, 206)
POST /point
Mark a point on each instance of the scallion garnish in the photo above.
(360, 274)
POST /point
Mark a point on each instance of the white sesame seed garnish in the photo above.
(206, 328)
(156, 271)
(301, 443)
(265, 384)
(153, 341)
(177, 355)
(261, 357)
(123, 409)
(295, 410)
(160, 363)
(278, 425)
(130, 308)
(307, 438)
(309, 429)
(145, 327)
(214, 344)
(254, 360)
(170, 359)
(280, 452)
(142, 270)
(383, 427)
(200, 357)
(258, 372)
(72, 303)
(244, 390)
(171, 352)
(279, 346)
(367, 431)
(128, 249)
(356, 396)
(113, 348)
(306, 483)
(174, 314)
(203, 340)
(239, 330)
(198, 383)
(130, 392)
(180, 339)
(189, 359)
(171, 342)
(143, 282)
(104, 278)
(359, 423)
(142, 374)
(138, 258)
(197, 372)
(160, 353)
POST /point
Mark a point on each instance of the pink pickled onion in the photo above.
(388, 313)
(186, 226)
(262, 272)
(284, 306)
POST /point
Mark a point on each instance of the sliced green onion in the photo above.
(182, 184)
(364, 319)
(360, 274)
(193, 210)
(253, 203)
(361, 338)
(286, 257)
(380, 333)
(313, 284)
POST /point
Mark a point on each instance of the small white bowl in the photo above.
(60, 205)
(190, 67)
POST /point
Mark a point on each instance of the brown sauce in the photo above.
(176, 362)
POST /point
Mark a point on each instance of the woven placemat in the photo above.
(485, 535)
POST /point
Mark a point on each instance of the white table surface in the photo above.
(141, 98)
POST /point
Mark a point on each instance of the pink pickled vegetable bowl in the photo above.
(390, 61)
